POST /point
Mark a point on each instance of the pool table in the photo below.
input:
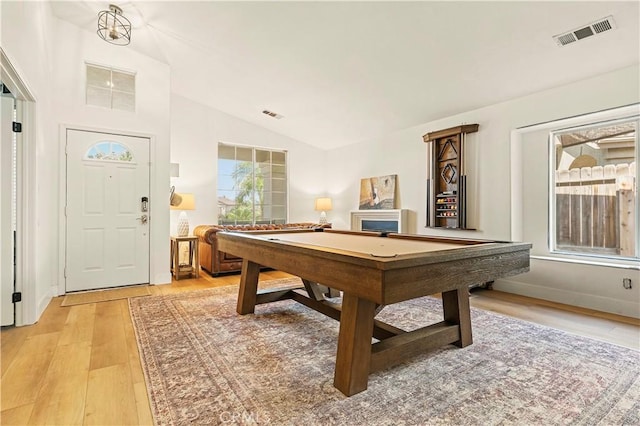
(373, 270)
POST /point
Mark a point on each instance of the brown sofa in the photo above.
(214, 261)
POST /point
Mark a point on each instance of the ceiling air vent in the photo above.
(596, 27)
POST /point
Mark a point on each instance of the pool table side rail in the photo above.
(434, 278)
(472, 248)
(455, 240)
(384, 281)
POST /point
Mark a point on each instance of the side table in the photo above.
(182, 270)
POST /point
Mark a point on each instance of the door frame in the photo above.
(7, 231)
(62, 246)
(26, 311)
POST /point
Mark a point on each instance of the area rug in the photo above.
(205, 364)
(95, 296)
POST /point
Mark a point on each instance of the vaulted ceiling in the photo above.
(341, 72)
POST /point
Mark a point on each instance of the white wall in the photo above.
(195, 132)
(151, 118)
(26, 39)
(49, 56)
(404, 153)
(52, 72)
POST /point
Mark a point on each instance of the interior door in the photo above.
(107, 210)
(7, 185)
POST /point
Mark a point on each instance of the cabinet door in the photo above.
(447, 177)
(446, 189)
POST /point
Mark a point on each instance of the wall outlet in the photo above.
(626, 283)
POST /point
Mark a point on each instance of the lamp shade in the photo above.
(323, 204)
(188, 202)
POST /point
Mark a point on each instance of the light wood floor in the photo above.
(80, 364)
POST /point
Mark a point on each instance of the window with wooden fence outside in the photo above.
(594, 189)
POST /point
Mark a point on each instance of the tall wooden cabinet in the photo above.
(446, 186)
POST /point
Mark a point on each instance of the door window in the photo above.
(109, 151)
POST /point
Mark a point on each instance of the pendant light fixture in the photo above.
(113, 27)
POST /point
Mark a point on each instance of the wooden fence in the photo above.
(595, 209)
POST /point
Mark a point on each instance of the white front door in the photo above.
(107, 241)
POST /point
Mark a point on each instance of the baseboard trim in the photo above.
(587, 301)
(163, 278)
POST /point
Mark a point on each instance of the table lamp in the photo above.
(187, 202)
(322, 205)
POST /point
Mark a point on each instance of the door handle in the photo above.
(143, 219)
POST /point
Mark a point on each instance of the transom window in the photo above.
(594, 194)
(109, 151)
(252, 185)
(110, 88)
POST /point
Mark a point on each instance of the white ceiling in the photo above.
(342, 72)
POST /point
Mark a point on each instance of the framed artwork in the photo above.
(378, 193)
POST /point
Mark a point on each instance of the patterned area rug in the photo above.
(204, 364)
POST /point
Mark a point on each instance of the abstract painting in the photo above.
(378, 193)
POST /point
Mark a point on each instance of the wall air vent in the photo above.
(594, 28)
(272, 114)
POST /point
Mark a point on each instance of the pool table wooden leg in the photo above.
(248, 287)
(354, 345)
(455, 304)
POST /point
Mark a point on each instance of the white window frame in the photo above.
(253, 159)
(553, 245)
(517, 195)
(109, 86)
